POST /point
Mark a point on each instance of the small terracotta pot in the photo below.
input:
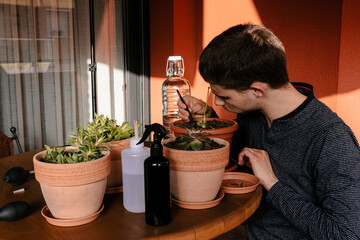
(223, 133)
(196, 176)
(72, 190)
(115, 177)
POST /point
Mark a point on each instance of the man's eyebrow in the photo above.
(223, 97)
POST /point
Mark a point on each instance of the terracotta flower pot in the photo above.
(72, 190)
(196, 176)
(223, 133)
(115, 178)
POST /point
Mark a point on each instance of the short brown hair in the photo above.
(242, 55)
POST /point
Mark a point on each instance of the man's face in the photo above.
(233, 100)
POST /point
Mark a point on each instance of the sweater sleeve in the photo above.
(334, 211)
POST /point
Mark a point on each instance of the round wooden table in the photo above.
(115, 222)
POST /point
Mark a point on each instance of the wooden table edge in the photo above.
(217, 226)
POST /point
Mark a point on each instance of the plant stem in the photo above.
(207, 99)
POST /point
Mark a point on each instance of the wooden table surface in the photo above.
(115, 222)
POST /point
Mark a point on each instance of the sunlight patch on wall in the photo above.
(348, 109)
(344, 104)
(220, 15)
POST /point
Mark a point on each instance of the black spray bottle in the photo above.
(157, 179)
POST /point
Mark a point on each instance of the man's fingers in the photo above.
(246, 154)
(242, 159)
(184, 115)
(196, 108)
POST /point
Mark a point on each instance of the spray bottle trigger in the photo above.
(159, 130)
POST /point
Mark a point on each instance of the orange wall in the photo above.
(317, 35)
(348, 106)
(310, 32)
(161, 46)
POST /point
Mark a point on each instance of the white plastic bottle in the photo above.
(132, 160)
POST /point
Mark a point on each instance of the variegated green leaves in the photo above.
(195, 140)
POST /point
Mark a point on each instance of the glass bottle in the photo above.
(175, 72)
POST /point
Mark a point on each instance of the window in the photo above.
(45, 82)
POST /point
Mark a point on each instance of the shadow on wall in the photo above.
(310, 31)
(180, 34)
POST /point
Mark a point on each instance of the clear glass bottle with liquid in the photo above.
(175, 72)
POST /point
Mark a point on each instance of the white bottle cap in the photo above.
(134, 140)
(174, 58)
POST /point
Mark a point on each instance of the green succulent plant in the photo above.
(87, 148)
(106, 128)
(194, 140)
(88, 142)
(76, 155)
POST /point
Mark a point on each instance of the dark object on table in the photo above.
(157, 179)
(16, 176)
(14, 211)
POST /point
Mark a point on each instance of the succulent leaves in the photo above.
(88, 142)
(194, 140)
(106, 128)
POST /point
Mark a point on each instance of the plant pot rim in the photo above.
(117, 141)
(122, 143)
(229, 129)
(71, 174)
(205, 160)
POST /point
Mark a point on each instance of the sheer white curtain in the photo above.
(45, 85)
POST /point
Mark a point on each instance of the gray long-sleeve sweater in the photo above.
(316, 157)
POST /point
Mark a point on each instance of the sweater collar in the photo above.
(305, 89)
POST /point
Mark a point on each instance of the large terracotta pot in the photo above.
(196, 176)
(72, 190)
(223, 133)
(114, 181)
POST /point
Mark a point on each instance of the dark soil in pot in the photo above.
(211, 124)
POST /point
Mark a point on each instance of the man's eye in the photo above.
(224, 98)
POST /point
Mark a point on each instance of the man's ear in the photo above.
(258, 88)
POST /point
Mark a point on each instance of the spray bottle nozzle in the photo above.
(159, 134)
(136, 129)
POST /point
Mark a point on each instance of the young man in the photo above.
(306, 157)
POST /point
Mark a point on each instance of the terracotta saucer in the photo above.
(111, 190)
(238, 182)
(199, 205)
(45, 212)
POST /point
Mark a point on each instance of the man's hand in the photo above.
(259, 161)
(195, 106)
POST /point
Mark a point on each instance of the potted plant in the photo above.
(216, 127)
(116, 138)
(197, 164)
(73, 179)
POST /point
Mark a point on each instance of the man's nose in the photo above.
(218, 101)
